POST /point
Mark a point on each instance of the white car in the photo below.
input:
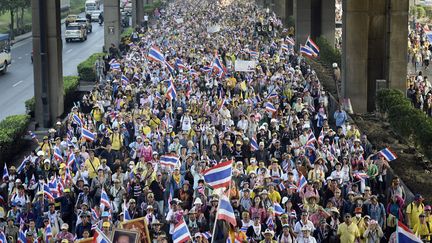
(75, 31)
(5, 55)
(95, 15)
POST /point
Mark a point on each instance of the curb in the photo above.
(30, 36)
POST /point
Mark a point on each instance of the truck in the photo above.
(91, 5)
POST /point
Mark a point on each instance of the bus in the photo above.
(5, 55)
(91, 5)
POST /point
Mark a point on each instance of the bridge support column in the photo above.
(279, 7)
(374, 48)
(111, 23)
(328, 16)
(302, 16)
(289, 8)
(47, 61)
(137, 12)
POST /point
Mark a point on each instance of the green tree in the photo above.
(12, 6)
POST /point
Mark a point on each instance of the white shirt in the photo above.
(310, 239)
(299, 225)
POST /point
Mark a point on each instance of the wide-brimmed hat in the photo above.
(268, 231)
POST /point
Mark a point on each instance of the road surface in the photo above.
(16, 86)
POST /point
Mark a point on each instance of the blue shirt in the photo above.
(340, 117)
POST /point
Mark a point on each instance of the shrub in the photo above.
(149, 8)
(328, 54)
(86, 70)
(126, 33)
(12, 129)
(70, 84)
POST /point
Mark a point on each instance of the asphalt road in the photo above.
(17, 85)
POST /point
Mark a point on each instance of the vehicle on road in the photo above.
(86, 23)
(75, 31)
(5, 55)
(95, 15)
(91, 5)
(70, 19)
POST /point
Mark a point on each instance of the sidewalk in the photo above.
(29, 34)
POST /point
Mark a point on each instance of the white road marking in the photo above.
(17, 83)
(69, 51)
(19, 58)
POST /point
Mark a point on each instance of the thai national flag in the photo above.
(206, 69)
(21, 237)
(301, 183)
(253, 53)
(282, 186)
(219, 175)
(218, 65)
(206, 235)
(105, 201)
(71, 160)
(5, 173)
(181, 232)
(58, 154)
(171, 91)
(270, 107)
(3, 237)
(124, 79)
(115, 66)
(94, 215)
(311, 44)
(48, 232)
(290, 41)
(388, 154)
(272, 95)
(270, 222)
(53, 187)
(405, 235)
(32, 135)
(278, 209)
(285, 47)
(305, 50)
(100, 237)
(169, 160)
(225, 211)
(311, 138)
(47, 192)
(156, 55)
(254, 144)
(170, 68)
(179, 64)
(321, 137)
(87, 134)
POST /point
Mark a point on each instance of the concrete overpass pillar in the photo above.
(355, 55)
(137, 12)
(289, 8)
(47, 66)
(328, 16)
(279, 7)
(397, 48)
(111, 23)
(302, 16)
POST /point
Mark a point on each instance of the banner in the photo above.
(245, 66)
(213, 29)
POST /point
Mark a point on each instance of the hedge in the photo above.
(126, 33)
(70, 84)
(405, 119)
(150, 7)
(328, 54)
(12, 129)
(86, 71)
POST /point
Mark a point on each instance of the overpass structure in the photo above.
(374, 44)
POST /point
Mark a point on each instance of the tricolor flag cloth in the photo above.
(225, 211)
(169, 160)
(254, 144)
(87, 134)
(314, 47)
(58, 154)
(47, 192)
(171, 91)
(105, 201)
(278, 209)
(21, 237)
(100, 237)
(301, 183)
(77, 120)
(156, 55)
(388, 154)
(181, 233)
(219, 175)
(5, 173)
(270, 107)
(290, 41)
(3, 237)
(305, 50)
(405, 235)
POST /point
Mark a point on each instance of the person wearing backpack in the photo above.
(423, 229)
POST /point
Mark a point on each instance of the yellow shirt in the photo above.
(116, 141)
(274, 196)
(251, 168)
(92, 167)
(348, 234)
(146, 130)
(414, 212)
(422, 230)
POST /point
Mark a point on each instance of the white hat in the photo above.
(198, 201)
(305, 228)
(284, 200)
(40, 153)
(65, 226)
(335, 65)
(268, 231)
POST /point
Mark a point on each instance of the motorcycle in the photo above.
(100, 22)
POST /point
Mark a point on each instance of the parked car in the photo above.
(75, 31)
(86, 23)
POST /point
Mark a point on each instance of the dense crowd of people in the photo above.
(300, 173)
(419, 54)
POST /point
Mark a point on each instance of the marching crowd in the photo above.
(171, 107)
